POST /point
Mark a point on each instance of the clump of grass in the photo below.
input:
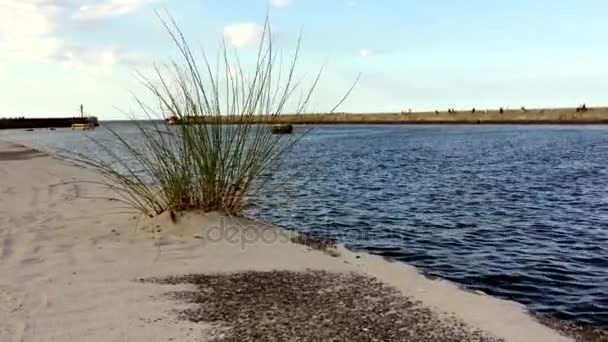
(213, 161)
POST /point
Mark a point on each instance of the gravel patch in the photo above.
(580, 333)
(311, 306)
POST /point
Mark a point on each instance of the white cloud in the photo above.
(108, 8)
(243, 35)
(52, 50)
(29, 30)
(94, 59)
(27, 26)
(29, 17)
(366, 52)
(280, 3)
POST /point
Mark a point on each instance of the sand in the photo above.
(75, 267)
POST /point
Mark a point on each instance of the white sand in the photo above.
(65, 275)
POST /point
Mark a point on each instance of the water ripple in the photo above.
(517, 212)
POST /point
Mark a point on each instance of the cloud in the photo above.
(27, 27)
(94, 59)
(243, 35)
(366, 52)
(108, 9)
(29, 17)
(29, 31)
(53, 50)
(280, 3)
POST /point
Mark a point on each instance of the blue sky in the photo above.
(56, 54)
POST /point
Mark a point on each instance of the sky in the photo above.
(411, 54)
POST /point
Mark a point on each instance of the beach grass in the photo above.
(215, 164)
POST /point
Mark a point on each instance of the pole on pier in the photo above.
(81, 111)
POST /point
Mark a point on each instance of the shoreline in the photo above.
(157, 248)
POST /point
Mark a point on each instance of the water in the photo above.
(519, 212)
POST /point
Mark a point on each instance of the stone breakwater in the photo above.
(30, 123)
(519, 116)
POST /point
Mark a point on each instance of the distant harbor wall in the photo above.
(28, 123)
(520, 116)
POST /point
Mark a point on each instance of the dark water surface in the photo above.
(520, 212)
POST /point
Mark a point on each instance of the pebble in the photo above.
(311, 306)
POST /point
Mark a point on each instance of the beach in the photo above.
(78, 266)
